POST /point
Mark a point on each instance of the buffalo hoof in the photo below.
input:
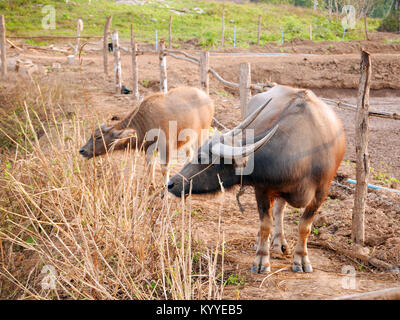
(279, 245)
(261, 264)
(304, 268)
(280, 249)
(297, 268)
(308, 268)
(260, 269)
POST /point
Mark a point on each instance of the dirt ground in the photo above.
(331, 74)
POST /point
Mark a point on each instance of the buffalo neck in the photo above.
(134, 121)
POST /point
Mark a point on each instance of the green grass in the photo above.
(37, 43)
(223, 93)
(23, 17)
(234, 279)
(384, 178)
(145, 83)
(392, 41)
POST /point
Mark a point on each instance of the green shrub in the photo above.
(389, 24)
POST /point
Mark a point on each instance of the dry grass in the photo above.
(37, 96)
(99, 226)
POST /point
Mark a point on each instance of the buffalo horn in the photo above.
(246, 122)
(226, 151)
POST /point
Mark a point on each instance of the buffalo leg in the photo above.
(165, 166)
(279, 243)
(165, 172)
(264, 203)
(150, 159)
(301, 262)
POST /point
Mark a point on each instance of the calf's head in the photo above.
(105, 139)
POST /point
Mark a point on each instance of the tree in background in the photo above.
(397, 14)
(330, 8)
(383, 9)
(364, 7)
(391, 19)
(370, 8)
(303, 3)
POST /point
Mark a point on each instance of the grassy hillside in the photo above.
(25, 17)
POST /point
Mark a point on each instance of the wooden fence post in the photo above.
(163, 67)
(204, 67)
(105, 44)
(135, 86)
(170, 33)
(384, 294)
(156, 41)
(234, 36)
(79, 28)
(310, 31)
(117, 61)
(259, 30)
(362, 156)
(3, 46)
(223, 28)
(244, 87)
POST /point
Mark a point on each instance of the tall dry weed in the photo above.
(77, 229)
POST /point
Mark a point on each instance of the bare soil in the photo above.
(331, 73)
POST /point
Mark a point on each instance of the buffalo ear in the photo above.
(124, 133)
(104, 128)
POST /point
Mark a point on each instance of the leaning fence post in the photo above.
(79, 28)
(135, 86)
(204, 67)
(3, 46)
(156, 41)
(163, 67)
(170, 33)
(362, 156)
(117, 61)
(244, 87)
(259, 30)
(105, 44)
(234, 36)
(223, 28)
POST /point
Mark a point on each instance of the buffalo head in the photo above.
(105, 139)
(216, 161)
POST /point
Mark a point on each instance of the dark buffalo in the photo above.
(305, 145)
